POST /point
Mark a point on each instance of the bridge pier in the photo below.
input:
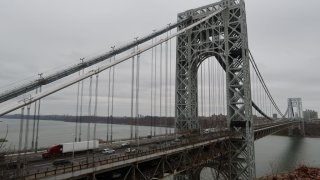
(290, 131)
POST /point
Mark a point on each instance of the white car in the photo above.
(125, 144)
(108, 151)
(130, 150)
(206, 131)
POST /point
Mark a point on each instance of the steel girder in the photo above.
(223, 36)
(182, 165)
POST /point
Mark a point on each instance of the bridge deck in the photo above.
(109, 163)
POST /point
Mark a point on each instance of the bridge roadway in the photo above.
(150, 161)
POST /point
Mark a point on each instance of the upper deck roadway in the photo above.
(147, 152)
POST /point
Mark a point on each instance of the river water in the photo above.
(273, 153)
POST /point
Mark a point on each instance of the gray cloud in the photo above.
(42, 36)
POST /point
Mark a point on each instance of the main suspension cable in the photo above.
(263, 82)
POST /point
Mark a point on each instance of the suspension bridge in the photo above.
(194, 70)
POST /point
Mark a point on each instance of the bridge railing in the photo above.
(103, 160)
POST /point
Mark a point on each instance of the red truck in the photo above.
(61, 149)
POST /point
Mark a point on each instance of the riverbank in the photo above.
(205, 122)
(302, 172)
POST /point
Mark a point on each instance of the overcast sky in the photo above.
(41, 36)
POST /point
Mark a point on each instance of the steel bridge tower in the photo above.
(224, 36)
(295, 112)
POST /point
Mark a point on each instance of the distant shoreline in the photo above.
(215, 120)
(311, 128)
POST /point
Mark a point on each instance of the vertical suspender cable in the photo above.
(166, 86)
(271, 113)
(209, 88)
(204, 89)
(77, 112)
(160, 107)
(212, 84)
(27, 129)
(95, 114)
(265, 102)
(219, 90)
(38, 118)
(137, 97)
(212, 90)
(81, 106)
(170, 74)
(151, 93)
(155, 90)
(18, 173)
(223, 81)
(89, 109)
(252, 88)
(260, 95)
(109, 91)
(256, 93)
(112, 100)
(222, 92)
(214, 72)
(201, 88)
(21, 130)
(89, 116)
(34, 122)
(132, 99)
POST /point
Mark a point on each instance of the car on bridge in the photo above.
(61, 162)
(125, 144)
(108, 151)
(130, 150)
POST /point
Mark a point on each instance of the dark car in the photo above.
(61, 162)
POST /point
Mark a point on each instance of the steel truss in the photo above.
(187, 164)
(223, 36)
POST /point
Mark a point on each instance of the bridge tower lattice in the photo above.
(224, 36)
(295, 112)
